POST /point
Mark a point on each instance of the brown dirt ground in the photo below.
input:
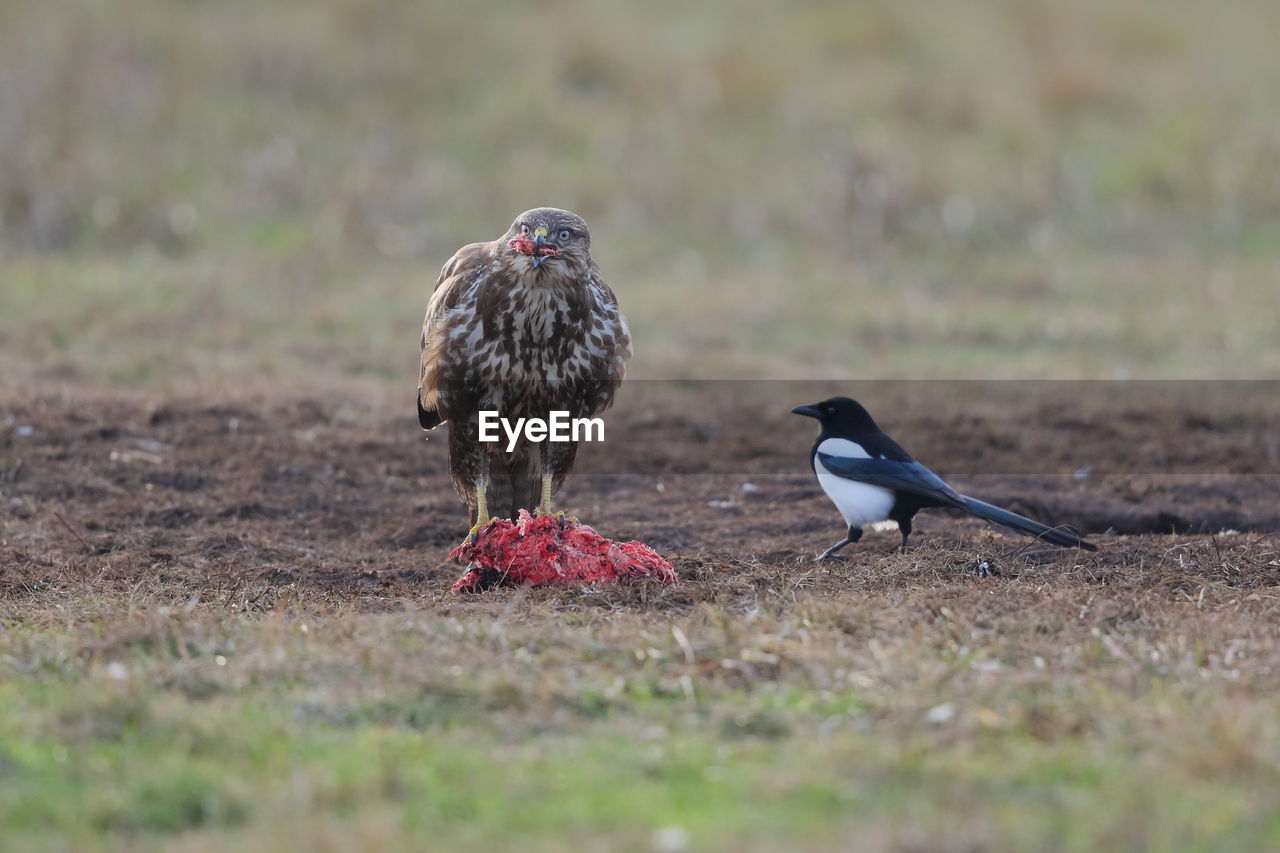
(351, 504)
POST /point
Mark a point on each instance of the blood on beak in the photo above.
(536, 247)
(541, 248)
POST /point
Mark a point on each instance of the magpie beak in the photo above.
(807, 411)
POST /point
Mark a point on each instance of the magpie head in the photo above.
(839, 416)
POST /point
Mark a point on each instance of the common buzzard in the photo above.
(524, 326)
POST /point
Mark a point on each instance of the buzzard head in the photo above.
(551, 237)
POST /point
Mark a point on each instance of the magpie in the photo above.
(870, 478)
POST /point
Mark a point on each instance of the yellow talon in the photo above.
(474, 533)
(544, 506)
(482, 513)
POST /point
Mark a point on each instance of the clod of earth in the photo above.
(546, 550)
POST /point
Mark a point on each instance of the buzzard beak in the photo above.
(807, 411)
(541, 248)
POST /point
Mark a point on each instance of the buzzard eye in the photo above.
(564, 234)
(524, 229)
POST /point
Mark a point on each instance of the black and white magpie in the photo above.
(870, 478)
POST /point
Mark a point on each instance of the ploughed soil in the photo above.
(354, 503)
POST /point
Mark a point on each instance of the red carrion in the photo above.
(542, 550)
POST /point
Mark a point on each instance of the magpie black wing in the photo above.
(909, 477)
(882, 446)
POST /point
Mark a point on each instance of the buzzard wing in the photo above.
(609, 344)
(458, 274)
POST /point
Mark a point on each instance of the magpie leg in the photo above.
(831, 550)
(854, 534)
(904, 526)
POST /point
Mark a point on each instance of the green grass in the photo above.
(129, 721)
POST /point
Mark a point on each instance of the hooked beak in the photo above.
(535, 245)
(539, 243)
(539, 240)
(807, 411)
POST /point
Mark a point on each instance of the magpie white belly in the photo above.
(859, 503)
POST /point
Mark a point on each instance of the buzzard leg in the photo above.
(482, 515)
(544, 507)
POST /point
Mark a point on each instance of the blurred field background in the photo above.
(216, 193)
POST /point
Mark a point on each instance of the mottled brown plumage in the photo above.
(523, 325)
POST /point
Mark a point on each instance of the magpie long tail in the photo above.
(1052, 535)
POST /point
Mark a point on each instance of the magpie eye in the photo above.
(564, 234)
(524, 229)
